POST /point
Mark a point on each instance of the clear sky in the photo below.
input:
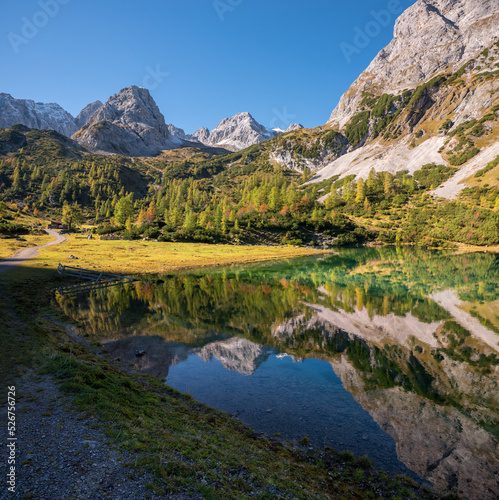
(203, 60)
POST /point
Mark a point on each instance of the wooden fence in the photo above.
(95, 279)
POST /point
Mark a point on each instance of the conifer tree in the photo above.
(123, 209)
(371, 181)
(361, 191)
(72, 215)
(387, 183)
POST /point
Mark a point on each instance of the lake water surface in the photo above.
(390, 353)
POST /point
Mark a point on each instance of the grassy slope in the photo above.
(188, 446)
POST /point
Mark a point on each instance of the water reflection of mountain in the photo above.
(154, 355)
(413, 336)
(150, 355)
(449, 300)
(437, 441)
(236, 354)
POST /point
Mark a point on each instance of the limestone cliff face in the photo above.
(438, 72)
(86, 113)
(129, 123)
(35, 115)
(430, 37)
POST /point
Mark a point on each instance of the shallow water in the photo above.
(390, 353)
(291, 399)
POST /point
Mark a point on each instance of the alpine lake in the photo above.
(387, 352)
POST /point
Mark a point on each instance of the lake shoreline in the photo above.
(206, 450)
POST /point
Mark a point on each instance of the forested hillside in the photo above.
(196, 195)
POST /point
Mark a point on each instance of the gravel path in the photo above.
(28, 253)
(63, 455)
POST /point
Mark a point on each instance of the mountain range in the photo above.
(130, 123)
(428, 97)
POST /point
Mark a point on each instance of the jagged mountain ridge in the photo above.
(237, 132)
(241, 131)
(129, 123)
(35, 115)
(389, 120)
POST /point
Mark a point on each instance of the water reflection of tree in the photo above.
(199, 307)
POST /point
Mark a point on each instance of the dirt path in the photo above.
(28, 253)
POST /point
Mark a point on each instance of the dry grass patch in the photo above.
(10, 246)
(138, 257)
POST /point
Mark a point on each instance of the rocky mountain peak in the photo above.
(177, 133)
(293, 126)
(35, 115)
(85, 114)
(201, 135)
(240, 131)
(430, 37)
(131, 106)
(129, 123)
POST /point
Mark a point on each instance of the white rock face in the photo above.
(240, 131)
(451, 188)
(383, 159)
(429, 37)
(178, 134)
(129, 123)
(201, 135)
(86, 113)
(35, 115)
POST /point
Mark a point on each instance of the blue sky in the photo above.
(203, 60)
